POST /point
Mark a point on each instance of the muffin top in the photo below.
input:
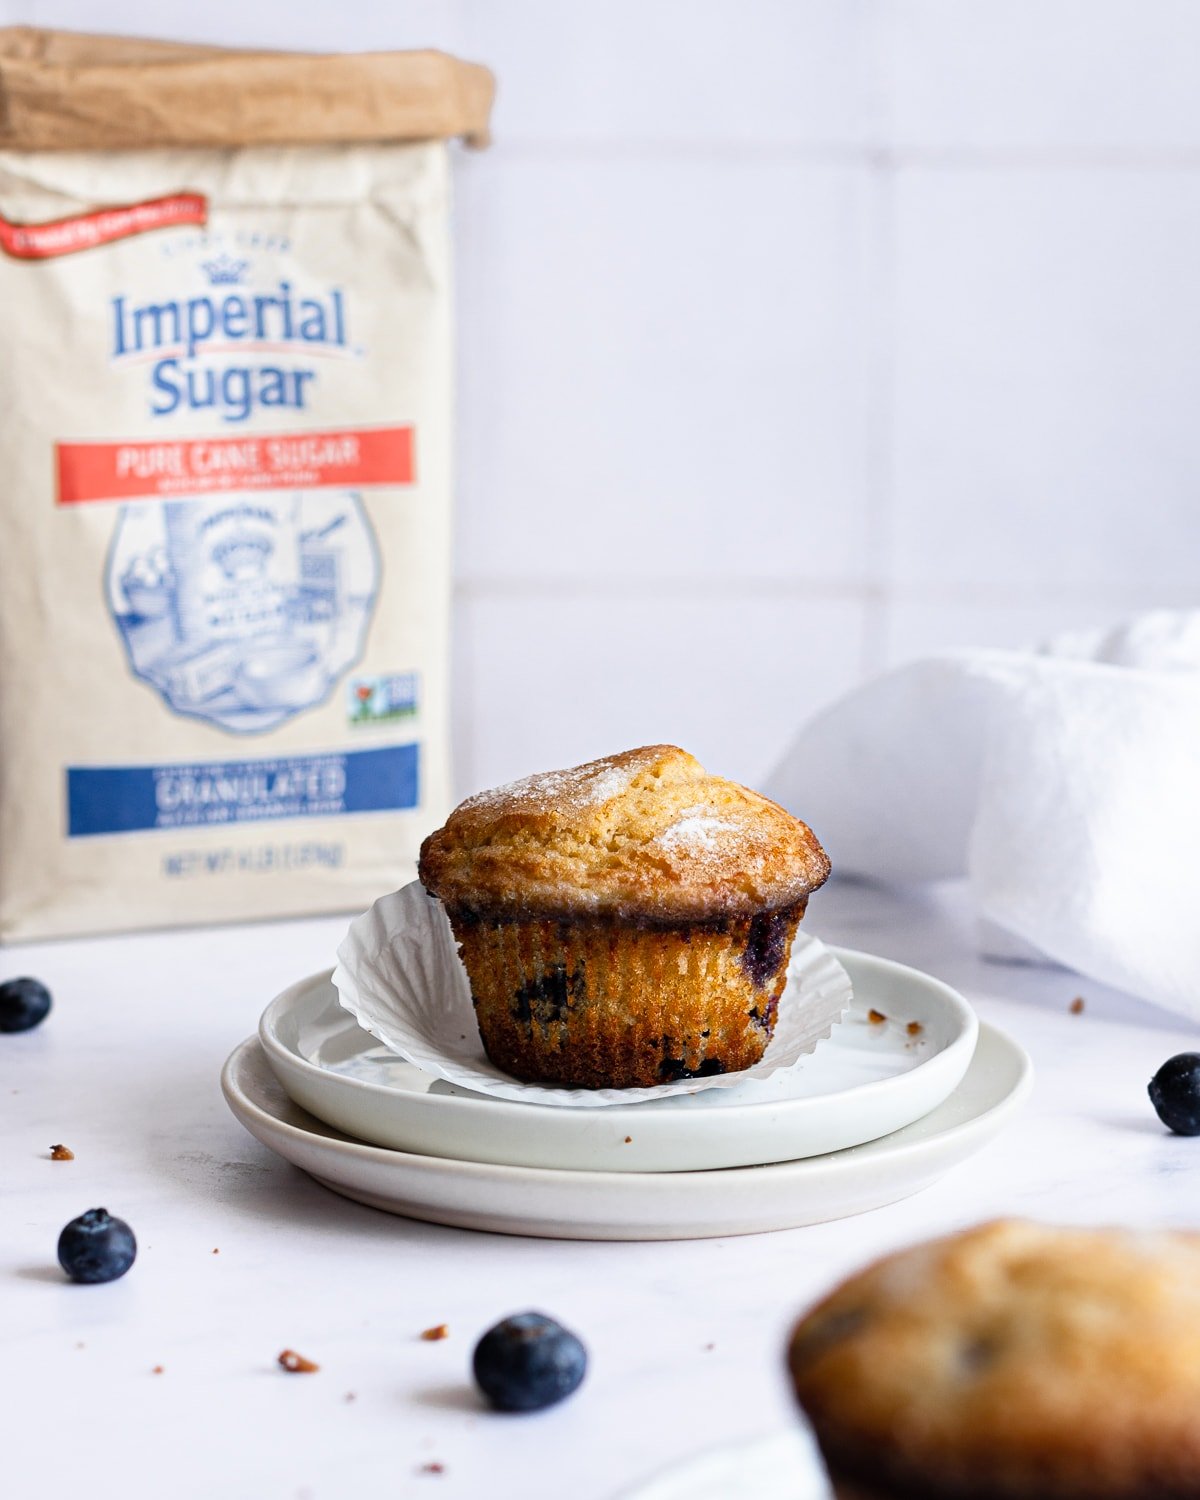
(647, 834)
(1013, 1359)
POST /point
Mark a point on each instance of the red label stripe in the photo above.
(101, 227)
(204, 466)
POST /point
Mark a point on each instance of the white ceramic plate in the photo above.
(784, 1466)
(864, 1081)
(636, 1205)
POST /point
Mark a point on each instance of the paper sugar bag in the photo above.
(225, 459)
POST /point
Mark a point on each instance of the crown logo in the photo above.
(223, 270)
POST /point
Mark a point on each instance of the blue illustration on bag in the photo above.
(244, 609)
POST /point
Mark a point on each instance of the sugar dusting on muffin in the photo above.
(576, 787)
(648, 833)
(695, 831)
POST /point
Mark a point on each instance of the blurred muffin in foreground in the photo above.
(626, 922)
(1012, 1360)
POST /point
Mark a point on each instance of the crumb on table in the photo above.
(628, 1140)
(876, 1017)
(296, 1364)
(438, 1331)
(61, 1153)
(158, 1370)
(432, 1468)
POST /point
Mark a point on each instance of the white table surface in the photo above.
(685, 1338)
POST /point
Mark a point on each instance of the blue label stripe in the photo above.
(131, 799)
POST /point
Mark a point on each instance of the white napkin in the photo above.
(1064, 784)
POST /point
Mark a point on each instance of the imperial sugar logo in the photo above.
(233, 350)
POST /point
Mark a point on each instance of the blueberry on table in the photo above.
(96, 1247)
(1175, 1093)
(24, 1004)
(527, 1362)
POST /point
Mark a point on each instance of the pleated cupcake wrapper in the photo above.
(399, 975)
(587, 1002)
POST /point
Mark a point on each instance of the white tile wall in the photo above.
(556, 677)
(662, 368)
(1057, 76)
(726, 73)
(796, 337)
(1047, 345)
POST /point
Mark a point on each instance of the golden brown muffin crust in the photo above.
(644, 834)
(1015, 1359)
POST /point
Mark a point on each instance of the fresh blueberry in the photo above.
(1175, 1093)
(528, 1361)
(96, 1247)
(24, 1004)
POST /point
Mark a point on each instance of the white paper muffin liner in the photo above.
(400, 977)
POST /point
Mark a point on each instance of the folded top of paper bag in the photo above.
(1064, 783)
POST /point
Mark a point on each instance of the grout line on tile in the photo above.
(697, 587)
(877, 594)
(535, 149)
(888, 157)
(878, 335)
(877, 51)
(1110, 158)
(873, 653)
(991, 595)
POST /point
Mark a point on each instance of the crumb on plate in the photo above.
(914, 1028)
(876, 1017)
(61, 1153)
(1076, 1006)
(438, 1331)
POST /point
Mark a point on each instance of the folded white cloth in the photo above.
(1065, 784)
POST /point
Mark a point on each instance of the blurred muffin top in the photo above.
(644, 834)
(1013, 1359)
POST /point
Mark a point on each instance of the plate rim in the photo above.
(966, 1040)
(638, 1182)
(803, 1473)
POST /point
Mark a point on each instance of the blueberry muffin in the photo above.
(626, 922)
(1012, 1360)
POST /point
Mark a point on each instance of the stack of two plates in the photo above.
(907, 1085)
